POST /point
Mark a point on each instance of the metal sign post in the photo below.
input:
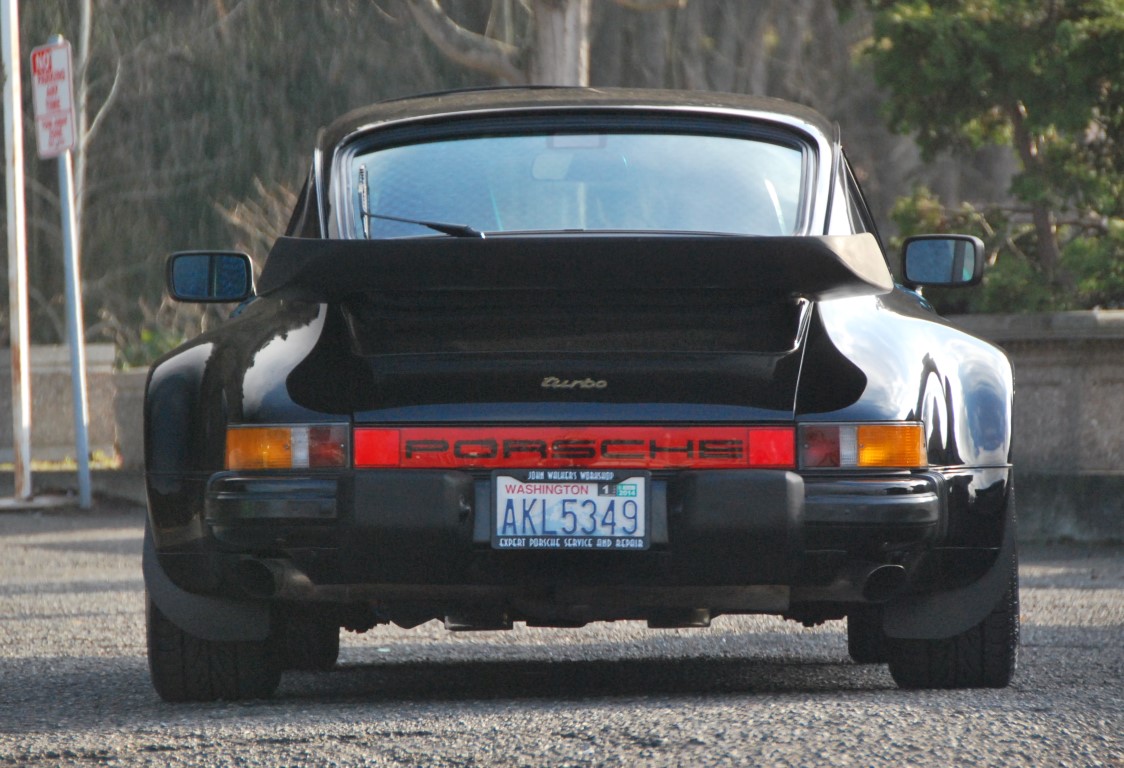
(17, 253)
(55, 130)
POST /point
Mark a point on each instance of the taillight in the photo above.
(889, 446)
(487, 447)
(287, 447)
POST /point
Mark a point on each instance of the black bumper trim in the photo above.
(915, 500)
(231, 498)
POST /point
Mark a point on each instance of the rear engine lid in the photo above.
(625, 320)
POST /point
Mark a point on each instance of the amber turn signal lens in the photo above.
(891, 445)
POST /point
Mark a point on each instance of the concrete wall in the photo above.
(52, 409)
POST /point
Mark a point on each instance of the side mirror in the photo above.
(943, 260)
(210, 276)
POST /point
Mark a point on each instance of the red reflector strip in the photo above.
(772, 447)
(551, 447)
(376, 447)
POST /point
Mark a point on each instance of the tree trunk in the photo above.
(1048, 253)
(560, 51)
(1047, 236)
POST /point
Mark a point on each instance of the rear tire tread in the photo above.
(188, 668)
(984, 656)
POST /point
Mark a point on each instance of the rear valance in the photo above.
(762, 267)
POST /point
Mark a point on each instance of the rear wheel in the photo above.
(984, 656)
(866, 643)
(184, 667)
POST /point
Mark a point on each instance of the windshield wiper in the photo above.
(364, 193)
(456, 230)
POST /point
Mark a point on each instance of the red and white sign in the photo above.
(53, 97)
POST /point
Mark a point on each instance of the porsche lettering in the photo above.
(578, 447)
(534, 451)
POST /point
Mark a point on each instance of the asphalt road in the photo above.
(74, 686)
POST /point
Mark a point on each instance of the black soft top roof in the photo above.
(532, 98)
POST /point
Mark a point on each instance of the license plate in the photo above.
(570, 510)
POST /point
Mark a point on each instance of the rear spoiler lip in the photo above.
(817, 267)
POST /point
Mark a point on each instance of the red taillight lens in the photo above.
(584, 446)
(327, 446)
(819, 447)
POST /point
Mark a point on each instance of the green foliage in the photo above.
(963, 72)
(1092, 258)
(1041, 77)
(1097, 266)
(145, 346)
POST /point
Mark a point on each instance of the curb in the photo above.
(122, 485)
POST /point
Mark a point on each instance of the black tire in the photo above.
(866, 642)
(308, 641)
(187, 668)
(985, 656)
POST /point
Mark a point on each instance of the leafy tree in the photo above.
(1042, 76)
(1090, 257)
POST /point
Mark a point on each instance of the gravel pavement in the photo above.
(74, 686)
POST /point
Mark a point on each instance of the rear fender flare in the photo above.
(218, 619)
(945, 614)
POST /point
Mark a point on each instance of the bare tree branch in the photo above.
(105, 105)
(163, 45)
(464, 46)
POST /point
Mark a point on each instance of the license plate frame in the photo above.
(548, 522)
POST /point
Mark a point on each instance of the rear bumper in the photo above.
(418, 543)
(721, 528)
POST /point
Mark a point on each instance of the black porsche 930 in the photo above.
(559, 356)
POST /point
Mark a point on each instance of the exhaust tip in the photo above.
(257, 579)
(883, 582)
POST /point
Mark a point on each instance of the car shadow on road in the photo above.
(48, 694)
(580, 679)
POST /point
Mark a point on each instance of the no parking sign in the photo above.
(53, 97)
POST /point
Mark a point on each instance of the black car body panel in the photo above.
(559, 350)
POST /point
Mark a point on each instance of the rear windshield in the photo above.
(578, 181)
